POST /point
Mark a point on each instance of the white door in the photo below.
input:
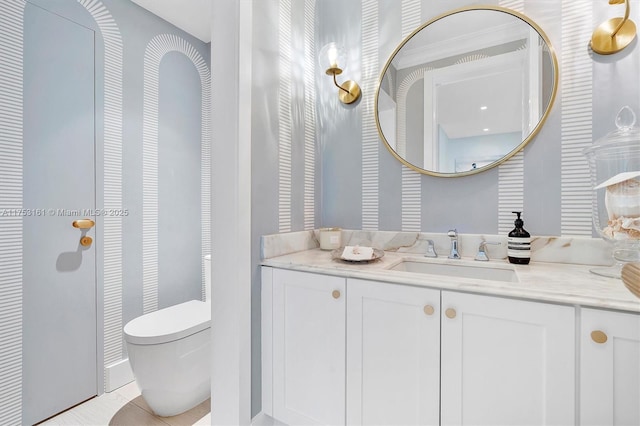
(308, 348)
(609, 368)
(506, 362)
(59, 274)
(393, 354)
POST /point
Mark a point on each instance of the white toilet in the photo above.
(170, 353)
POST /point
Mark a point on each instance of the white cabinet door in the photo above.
(308, 348)
(609, 368)
(506, 362)
(393, 354)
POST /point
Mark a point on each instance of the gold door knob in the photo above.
(428, 309)
(85, 241)
(83, 223)
(450, 313)
(336, 294)
(599, 336)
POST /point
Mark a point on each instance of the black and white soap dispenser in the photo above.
(519, 243)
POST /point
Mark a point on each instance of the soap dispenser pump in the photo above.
(519, 243)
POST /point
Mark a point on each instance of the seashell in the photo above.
(622, 228)
(631, 223)
(623, 199)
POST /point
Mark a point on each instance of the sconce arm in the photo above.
(337, 85)
(627, 10)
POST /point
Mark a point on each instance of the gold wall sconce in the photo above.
(614, 34)
(331, 57)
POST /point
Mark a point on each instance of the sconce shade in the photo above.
(333, 59)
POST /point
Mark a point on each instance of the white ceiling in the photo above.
(459, 104)
(192, 16)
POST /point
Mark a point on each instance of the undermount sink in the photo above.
(504, 273)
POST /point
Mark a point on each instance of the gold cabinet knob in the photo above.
(86, 241)
(336, 294)
(428, 309)
(598, 336)
(83, 223)
(450, 313)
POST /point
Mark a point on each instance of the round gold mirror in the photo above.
(466, 91)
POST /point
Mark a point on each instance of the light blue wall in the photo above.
(180, 91)
(180, 256)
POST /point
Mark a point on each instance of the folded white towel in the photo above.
(357, 253)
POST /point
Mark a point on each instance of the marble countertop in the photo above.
(552, 282)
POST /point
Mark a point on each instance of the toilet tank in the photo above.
(207, 277)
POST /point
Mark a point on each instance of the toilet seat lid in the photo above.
(169, 324)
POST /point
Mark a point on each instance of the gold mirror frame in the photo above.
(511, 153)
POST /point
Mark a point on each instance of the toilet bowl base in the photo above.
(165, 403)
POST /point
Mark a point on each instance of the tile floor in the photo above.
(125, 407)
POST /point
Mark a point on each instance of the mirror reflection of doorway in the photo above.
(475, 110)
(476, 67)
(387, 117)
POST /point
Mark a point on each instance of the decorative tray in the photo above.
(337, 254)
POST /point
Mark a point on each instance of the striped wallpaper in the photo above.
(510, 173)
(288, 122)
(112, 225)
(156, 49)
(11, 107)
(511, 191)
(576, 102)
(284, 118)
(517, 5)
(411, 180)
(11, 171)
(309, 114)
(574, 105)
(11, 17)
(370, 139)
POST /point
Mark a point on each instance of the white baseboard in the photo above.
(262, 419)
(118, 374)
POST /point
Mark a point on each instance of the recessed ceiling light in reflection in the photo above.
(483, 107)
(485, 130)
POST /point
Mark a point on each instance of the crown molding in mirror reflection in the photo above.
(469, 47)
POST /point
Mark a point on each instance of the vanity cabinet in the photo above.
(467, 360)
(360, 352)
(393, 354)
(609, 368)
(307, 337)
(506, 362)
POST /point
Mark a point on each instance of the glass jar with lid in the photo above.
(614, 163)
